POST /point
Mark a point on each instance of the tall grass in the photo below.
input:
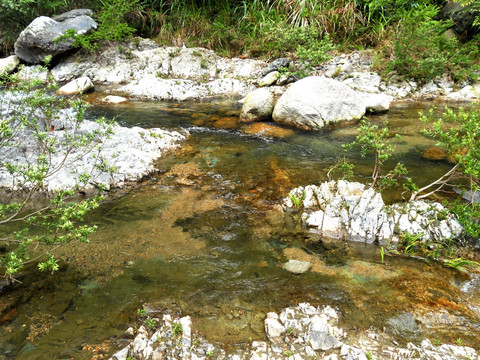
(406, 33)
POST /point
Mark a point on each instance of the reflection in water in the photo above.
(204, 238)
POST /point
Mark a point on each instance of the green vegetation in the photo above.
(459, 133)
(376, 140)
(30, 232)
(408, 36)
(455, 131)
(445, 252)
(141, 312)
(296, 200)
(151, 323)
(177, 329)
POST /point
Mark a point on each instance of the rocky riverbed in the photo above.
(298, 332)
(141, 69)
(130, 152)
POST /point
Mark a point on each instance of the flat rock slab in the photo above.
(77, 86)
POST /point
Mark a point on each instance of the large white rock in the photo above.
(8, 64)
(132, 151)
(258, 106)
(314, 102)
(273, 328)
(112, 99)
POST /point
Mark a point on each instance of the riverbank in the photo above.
(298, 332)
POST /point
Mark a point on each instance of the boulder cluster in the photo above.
(351, 211)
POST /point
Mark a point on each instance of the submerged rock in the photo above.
(349, 210)
(314, 102)
(297, 266)
(264, 129)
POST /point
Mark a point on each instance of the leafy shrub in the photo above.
(421, 50)
(32, 232)
(112, 25)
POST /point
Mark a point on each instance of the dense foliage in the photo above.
(407, 34)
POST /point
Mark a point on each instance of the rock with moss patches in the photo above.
(37, 41)
(258, 106)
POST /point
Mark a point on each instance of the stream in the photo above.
(204, 237)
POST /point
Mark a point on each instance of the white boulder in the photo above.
(314, 102)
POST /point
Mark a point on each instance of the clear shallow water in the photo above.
(203, 238)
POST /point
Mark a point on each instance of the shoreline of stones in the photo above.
(297, 333)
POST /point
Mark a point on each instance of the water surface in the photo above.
(204, 238)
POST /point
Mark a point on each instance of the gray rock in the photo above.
(467, 93)
(275, 65)
(352, 353)
(8, 64)
(129, 333)
(38, 39)
(122, 354)
(73, 14)
(346, 210)
(258, 106)
(309, 324)
(319, 337)
(269, 79)
(131, 150)
(77, 86)
(179, 89)
(314, 102)
(282, 80)
(404, 326)
(364, 82)
(33, 73)
(297, 266)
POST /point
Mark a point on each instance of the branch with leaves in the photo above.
(33, 118)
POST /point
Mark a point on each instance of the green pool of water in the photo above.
(203, 238)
